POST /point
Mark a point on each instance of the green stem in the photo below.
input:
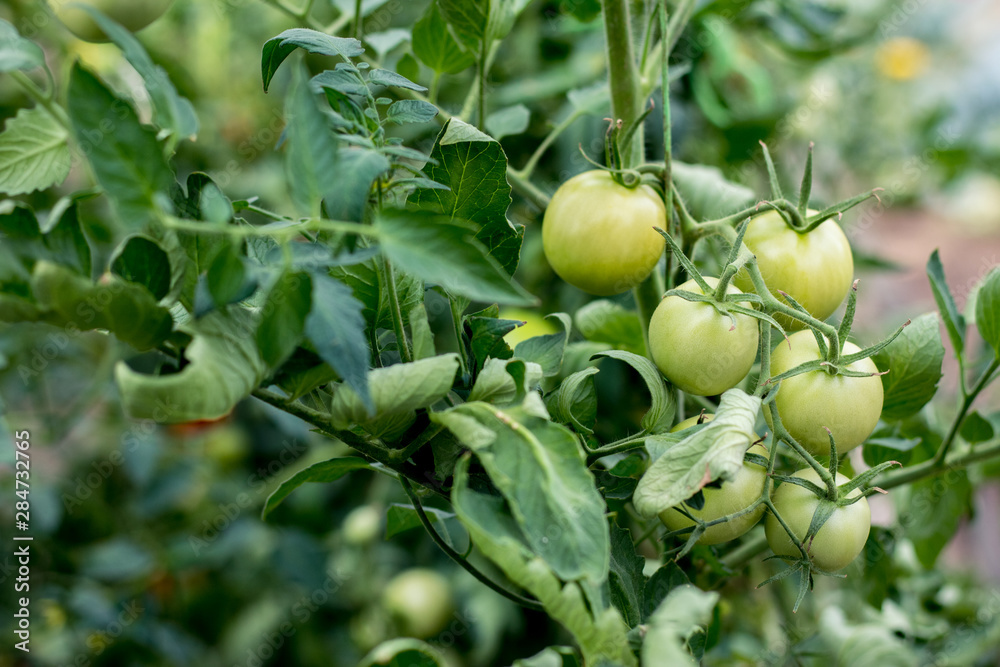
(527, 189)
(482, 86)
(930, 468)
(967, 400)
(432, 90)
(400, 455)
(456, 321)
(358, 28)
(42, 98)
(622, 76)
(402, 343)
(624, 445)
(529, 166)
(457, 557)
(290, 231)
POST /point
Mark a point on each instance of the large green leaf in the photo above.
(540, 469)
(142, 261)
(684, 612)
(34, 153)
(397, 392)
(323, 472)
(366, 279)
(435, 46)
(575, 401)
(988, 310)
(659, 586)
(547, 350)
(474, 167)
(126, 156)
(443, 251)
(604, 321)
(278, 48)
(477, 21)
(336, 329)
(170, 111)
(355, 171)
(601, 635)
(714, 452)
(283, 317)
(127, 310)
(223, 368)
(16, 52)
(660, 415)
(311, 157)
(498, 385)
(914, 363)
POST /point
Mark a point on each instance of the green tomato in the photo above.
(816, 269)
(839, 540)
(733, 496)
(693, 421)
(132, 14)
(598, 235)
(812, 402)
(697, 348)
(534, 325)
(419, 601)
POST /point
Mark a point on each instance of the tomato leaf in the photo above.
(34, 152)
(444, 251)
(934, 511)
(546, 351)
(479, 20)
(355, 171)
(498, 385)
(663, 581)
(283, 317)
(976, 428)
(126, 156)
(401, 518)
(608, 322)
(312, 150)
(914, 361)
(474, 168)
(403, 652)
(142, 261)
(553, 656)
(386, 77)
(684, 611)
(278, 48)
(323, 472)
(707, 193)
(575, 401)
(410, 111)
(506, 122)
(16, 52)
(954, 322)
(397, 392)
(435, 46)
(660, 415)
(336, 328)
(713, 452)
(540, 469)
(988, 310)
(626, 580)
(64, 237)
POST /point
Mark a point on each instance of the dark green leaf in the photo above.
(435, 46)
(878, 560)
(584, 11)
(954, 322)
(575, 401)
(443, 251)
(215, 207)
(16, 52)
(142, 261)
(283, 317)
(988, 310)
(343, 80)
(661, 410)
(34, 153)
(323, 473)
(278, 48)
(664, 580)
(476, 21)
(403, 652)
(914, 363)
(410, 111)
(881, 449)
(356, 171)
(626, 579)
(364, 279)
(311, 156)
(126, 157)
(337, 330)
(474, 167)
(228, 280)
(934, 512)
(975, 428)
(65, 240)
(385, 77)
(486, 338)
(401, 518)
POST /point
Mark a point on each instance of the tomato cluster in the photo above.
(598, 236)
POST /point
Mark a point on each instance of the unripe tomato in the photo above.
(816, 268)
(693, 421)
(534, 325)
(848, 406)
(733, 496)
(598, 235)
(132, 14)
(419, 601)
(839, 540)
(697, 348)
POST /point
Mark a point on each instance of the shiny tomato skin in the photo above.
(839, 540)
(598, 235)
(816, 268)
(849, 406)
(695, 346)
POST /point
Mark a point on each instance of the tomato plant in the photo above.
(837, 542)
(335, 260)
(598, 234)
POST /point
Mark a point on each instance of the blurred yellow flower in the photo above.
(902, 58)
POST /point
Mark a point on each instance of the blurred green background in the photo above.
(149, 549)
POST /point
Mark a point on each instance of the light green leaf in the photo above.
(707, 193)
(546, 351)
(506, 122)
(223, 368)
(34, 153)
(661, 410)
(16, 52)
(495, 384)
(386, 77)
(685, 611)
(988, 310)
(476, 21)
(914, 363)
(420, 333)
(397, 392)
(575, 401)
(384, 42)
(127, 158)
(604, 321)
(312, 151)
(443, 251)
(435, 45)
(714, 452)
(474, 167)
(410, 111)
(323, 473)
(278, 48)
(540, 469)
